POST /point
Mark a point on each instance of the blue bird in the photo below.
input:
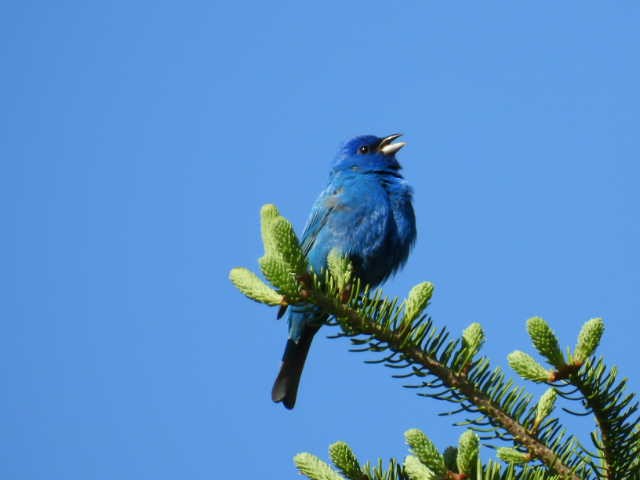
(366, 213)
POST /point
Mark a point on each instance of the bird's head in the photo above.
(368, 153)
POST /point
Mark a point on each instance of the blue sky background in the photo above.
(138, 141)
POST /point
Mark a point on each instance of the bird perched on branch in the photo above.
(365, 212)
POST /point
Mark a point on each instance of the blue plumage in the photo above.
(366, 213)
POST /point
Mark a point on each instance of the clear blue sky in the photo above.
(138, 141)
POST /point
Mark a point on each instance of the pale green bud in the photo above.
(249, 284)
(278, 273)
(340, 268)
(416, 470)
(314, 468)
(545, 405)
(468, 448)
(426, 451)
(588, 339)
(526, 366)
(343, 457)
(511, 455)
(267, 213)
(473, 337)
(287, 245)
(545, 341)
(417, 300)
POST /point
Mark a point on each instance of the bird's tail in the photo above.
(285, 388)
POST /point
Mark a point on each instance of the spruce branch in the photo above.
(449, 369)
(588, 381)
(618, 437)
(414, 467)
(460, 387)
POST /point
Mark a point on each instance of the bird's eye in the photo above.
(364, 149)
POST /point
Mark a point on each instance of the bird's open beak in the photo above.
(388, 148)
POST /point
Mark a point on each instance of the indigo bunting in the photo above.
(365, 212)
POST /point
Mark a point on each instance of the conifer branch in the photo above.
(448, 369)
(426, 463)
(619, 438)
(396, 340)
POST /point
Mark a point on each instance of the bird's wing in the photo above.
(320, 213)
